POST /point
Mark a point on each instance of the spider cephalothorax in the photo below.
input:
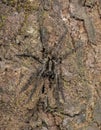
(49, 70)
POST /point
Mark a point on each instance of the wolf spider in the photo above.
(50, 67)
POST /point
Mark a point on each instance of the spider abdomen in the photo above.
(48, 74)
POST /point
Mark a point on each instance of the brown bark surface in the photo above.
(40, 37)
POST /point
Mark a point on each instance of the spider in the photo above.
(50, 65)
(50, 69)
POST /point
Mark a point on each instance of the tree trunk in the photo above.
(50, 57)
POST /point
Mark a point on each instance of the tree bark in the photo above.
(50, 74)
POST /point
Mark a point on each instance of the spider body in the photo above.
(49, 69)
(50, 64)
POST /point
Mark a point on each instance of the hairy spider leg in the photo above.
(25, 87)
(37, 83)
(31, 56)
(60, 86)
(59, 44)
(44, 38)
(61, 38)
(30, 80)
(56, 92)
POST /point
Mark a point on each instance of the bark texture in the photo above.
(69, 31)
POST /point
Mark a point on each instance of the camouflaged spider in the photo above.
(47, 71)
(50, 67)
